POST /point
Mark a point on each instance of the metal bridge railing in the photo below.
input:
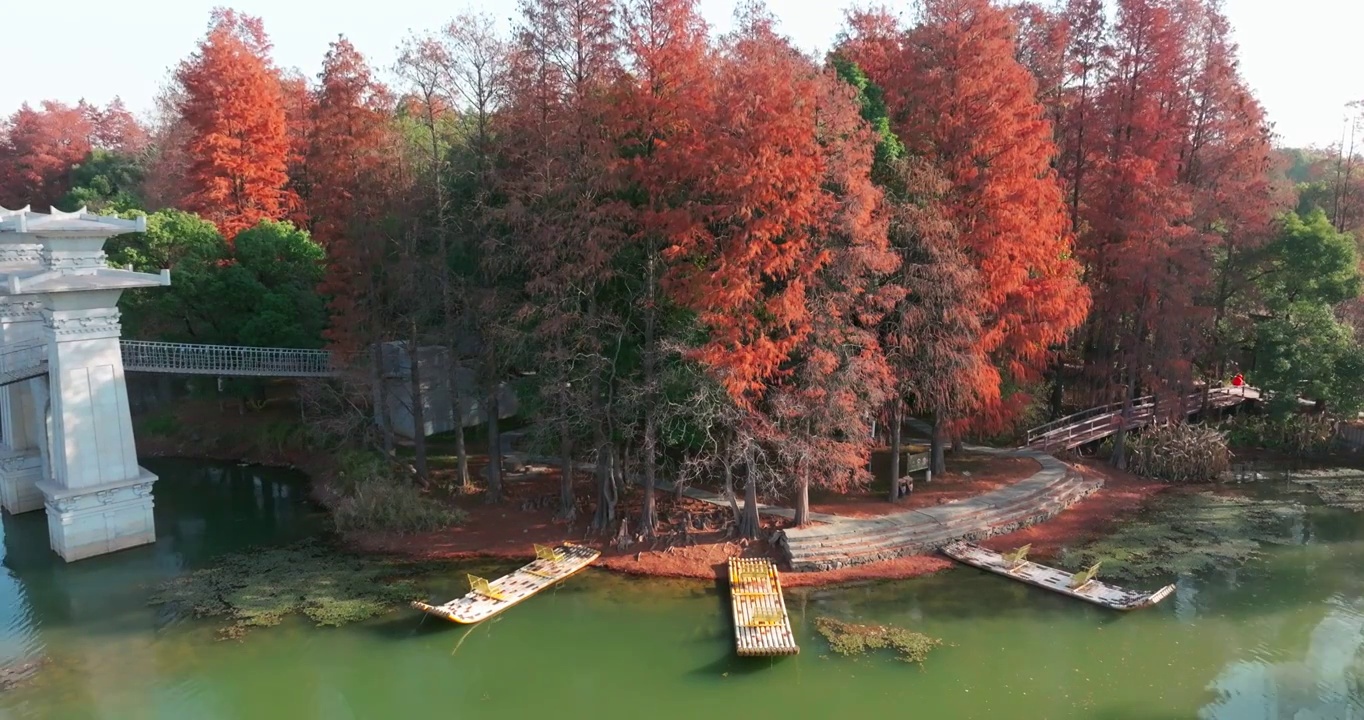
(226, 360)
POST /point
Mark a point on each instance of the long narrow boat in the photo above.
(1081, 585)
(488, 598)
(761, 624)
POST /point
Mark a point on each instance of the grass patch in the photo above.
(1187, 533)
(281, 435)
(262, 587)
(160, 425)
(853, 639)
(393, 506)
(1180, 453)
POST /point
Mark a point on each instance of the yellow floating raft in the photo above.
(761, 625)
(488, 598)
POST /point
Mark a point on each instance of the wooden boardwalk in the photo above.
(761, 624)
(1084, 427)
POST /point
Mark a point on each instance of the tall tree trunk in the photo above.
(647, 514)
(648, 517)
(605, 514)
(1058, 389)
(1119, 458)
(418, 409)
(729, 487)
(895, 449)
(381, 398)
(457, 415)
(568, 507)
(803, 497)
(494, 449)
(937, 463)
(748, 520)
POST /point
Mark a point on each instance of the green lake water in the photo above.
(1282, 637)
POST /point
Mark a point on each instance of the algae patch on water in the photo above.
(1187, 533)
(261, 587)
(853, 639)
(1337, 487)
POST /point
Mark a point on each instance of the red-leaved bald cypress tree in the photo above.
(661, 117)
(971, 109)
(239, 143)
(350, 161)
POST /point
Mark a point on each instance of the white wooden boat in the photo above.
(488, 598)
(1081, 585)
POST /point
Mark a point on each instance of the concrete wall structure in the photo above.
(66, 443)
(433, 365)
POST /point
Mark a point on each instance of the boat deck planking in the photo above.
(1049, 578)
(488, 598)
(762, 626)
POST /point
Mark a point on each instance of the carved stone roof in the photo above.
(58, 224)
(44, 253)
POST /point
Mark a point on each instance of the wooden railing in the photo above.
(1097, 423)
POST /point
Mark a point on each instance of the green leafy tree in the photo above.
(266, 296)
(1301, 348)
(106, 181)
(182, 242)
(260, 292)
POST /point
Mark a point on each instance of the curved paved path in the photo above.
(841, 541)
(1041, 496)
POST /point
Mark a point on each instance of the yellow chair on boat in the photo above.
(550, 554)
(1081, 579)
(764, 619)
(1016, 557)
(481, 587)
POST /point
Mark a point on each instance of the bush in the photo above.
(1181, 453)
(373, 499)
(1302, 435)
(392, 506)
(282, 435)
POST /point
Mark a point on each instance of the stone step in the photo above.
(919, 544)
(918, 535)
(919, 539)
(853, 540)
(1023, 491)
(857, 531)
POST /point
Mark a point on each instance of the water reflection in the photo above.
(90, 622)
(1323, 685)
(1279, 638)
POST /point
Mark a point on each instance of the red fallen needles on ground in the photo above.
(509, 529)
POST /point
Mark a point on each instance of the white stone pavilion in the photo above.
(66, 437)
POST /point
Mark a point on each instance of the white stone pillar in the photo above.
(99, 500)
(21, 463)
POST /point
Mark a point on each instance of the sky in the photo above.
(1298, 56)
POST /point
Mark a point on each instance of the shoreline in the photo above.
(507, 531)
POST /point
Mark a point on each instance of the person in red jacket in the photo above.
(1238, 380)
